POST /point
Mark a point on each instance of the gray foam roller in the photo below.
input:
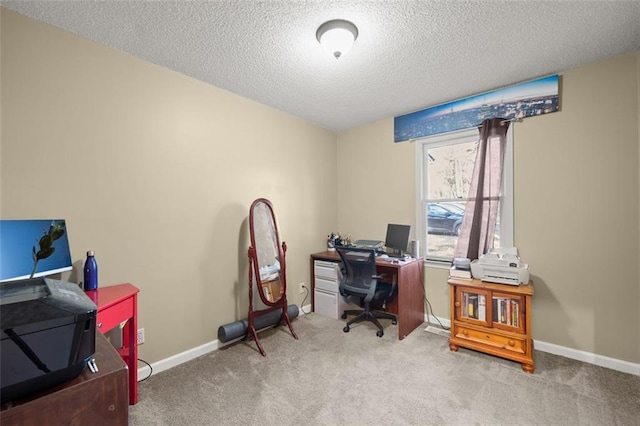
(236, 329)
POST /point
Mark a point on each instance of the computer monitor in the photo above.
(33, 248)
(397, 238)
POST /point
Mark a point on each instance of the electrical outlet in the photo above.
(140, 336)
(302, 287)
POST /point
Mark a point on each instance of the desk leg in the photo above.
(130, 349)
(410, 298)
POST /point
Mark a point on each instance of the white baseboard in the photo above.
(306, 309)
(446, 322)
(178, 359)
(599, 360)
(591, 358)
(190, 354)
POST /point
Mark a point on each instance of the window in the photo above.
(444, 169)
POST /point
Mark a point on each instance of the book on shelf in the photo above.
(506, 311)
(482, 309)
(470, 301)
(475, 306)
(454, 272)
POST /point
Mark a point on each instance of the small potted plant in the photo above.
(56, 230)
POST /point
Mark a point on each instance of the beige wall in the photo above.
(638, 106)
(576, 207)
(576, 211)
(156, 171)
(375, 181)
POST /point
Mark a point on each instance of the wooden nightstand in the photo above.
(492, 318)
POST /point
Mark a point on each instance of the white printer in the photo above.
(502, 266)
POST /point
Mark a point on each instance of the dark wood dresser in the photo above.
(89, 399)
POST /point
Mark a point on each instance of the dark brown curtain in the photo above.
(481, 212)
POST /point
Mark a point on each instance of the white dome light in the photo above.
(337, 36)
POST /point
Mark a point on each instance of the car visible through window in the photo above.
(444, 218)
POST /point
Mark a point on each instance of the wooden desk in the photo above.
(89, 399)
(408, 304)
(117, 304)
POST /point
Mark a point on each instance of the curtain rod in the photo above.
(517, 120)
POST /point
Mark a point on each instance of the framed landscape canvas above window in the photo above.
(528, 99)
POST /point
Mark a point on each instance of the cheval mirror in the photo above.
(267, 263)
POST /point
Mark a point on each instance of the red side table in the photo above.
(117, 304)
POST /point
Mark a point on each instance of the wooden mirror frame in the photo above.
(272, 304)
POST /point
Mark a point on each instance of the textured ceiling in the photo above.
(409, 55)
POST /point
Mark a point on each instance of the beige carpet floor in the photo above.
(329, 377)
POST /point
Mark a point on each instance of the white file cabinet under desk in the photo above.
(327, 299)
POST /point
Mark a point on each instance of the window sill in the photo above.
(437, 264)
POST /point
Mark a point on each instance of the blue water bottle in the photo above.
(90, 272)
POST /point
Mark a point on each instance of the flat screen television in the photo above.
(397, 239)
(33, 248)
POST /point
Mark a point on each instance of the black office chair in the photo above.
(359, 279)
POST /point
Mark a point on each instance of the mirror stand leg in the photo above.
(254, 334)
(285, 317)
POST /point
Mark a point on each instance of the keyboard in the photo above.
(395, 255)
(389, 254)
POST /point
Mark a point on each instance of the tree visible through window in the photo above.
(445, 168)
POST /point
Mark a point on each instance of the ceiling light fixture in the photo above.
(337, 36)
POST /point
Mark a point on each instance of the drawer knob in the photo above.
(487, 336)
(99, 325)
(457, 304)
(512, 343)
(465, 332)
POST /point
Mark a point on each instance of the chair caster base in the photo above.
(394, 322)
(346, 329)
(379, 333)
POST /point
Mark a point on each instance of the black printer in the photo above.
(48, 334)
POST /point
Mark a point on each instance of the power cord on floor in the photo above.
(428, 308)
(150, 370)
(303, 300)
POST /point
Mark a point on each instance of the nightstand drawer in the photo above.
(112, 316)
(327, 285)
(496, 340)
(327, 270)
